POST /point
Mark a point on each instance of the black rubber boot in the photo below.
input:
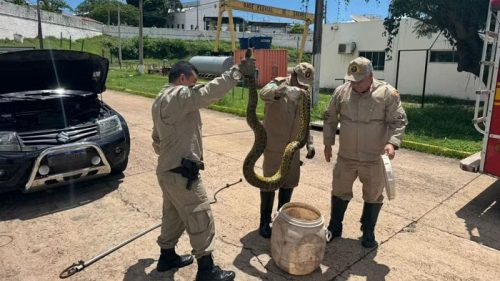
(337, 216)
(368, 222)
(284, 196)
(266, 209)
(170, 260)
(207, 271)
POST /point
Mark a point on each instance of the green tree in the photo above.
(98, 10)
(56, 6)
(18, 2)
(460, 21)
(156, 12)
(297, 28)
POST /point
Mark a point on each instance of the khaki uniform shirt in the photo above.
(368, 121)
(281, 121)
(177, 122)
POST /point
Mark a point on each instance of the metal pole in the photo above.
(325, 10)
(425, 77)
(197, 15)
(40, 35)
(140, 67)
(318, 30)
(109, 14)
(80, 265)
(397, 70)
(119, 40)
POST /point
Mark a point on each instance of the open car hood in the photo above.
(52, 69)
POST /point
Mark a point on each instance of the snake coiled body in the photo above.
(278, 179)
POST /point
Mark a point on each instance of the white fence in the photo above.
(21, 21)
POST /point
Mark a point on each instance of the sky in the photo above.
(336, 9)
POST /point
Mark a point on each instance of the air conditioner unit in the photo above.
(347, 48)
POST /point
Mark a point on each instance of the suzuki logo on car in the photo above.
(62, 137)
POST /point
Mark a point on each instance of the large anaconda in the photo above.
(278, 179)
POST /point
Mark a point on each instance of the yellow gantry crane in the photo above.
(229, 5)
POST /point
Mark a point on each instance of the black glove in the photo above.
(310, 151)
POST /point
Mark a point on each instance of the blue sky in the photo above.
(335, 11)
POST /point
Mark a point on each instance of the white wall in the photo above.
(269, 30)
(442, 78)
(366, 35)
(15, 19)
(282, 40)
(206, 8)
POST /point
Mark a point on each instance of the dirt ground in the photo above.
(443, 225)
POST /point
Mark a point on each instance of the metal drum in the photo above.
(211, 65)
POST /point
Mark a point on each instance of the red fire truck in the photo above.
(487, 112)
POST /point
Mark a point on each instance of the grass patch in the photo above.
(443, 122)
(155, 50)
(130, 81)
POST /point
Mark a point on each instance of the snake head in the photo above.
(248, 53)
(247, 65)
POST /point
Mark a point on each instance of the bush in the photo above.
(166, 48)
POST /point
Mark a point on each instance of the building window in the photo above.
(182, 26)
(377, 58)
(444, 56)
(177, 26)
(192, 27)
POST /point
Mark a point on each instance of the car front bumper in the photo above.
(67, 163)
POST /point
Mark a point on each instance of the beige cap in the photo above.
(305, 73)
(359, 69)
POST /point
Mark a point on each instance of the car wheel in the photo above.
(120, 167)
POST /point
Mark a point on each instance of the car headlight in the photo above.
(9, 142)
(109, 126)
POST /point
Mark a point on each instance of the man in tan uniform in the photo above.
(281, 121)
(178, 142)
(372, 122)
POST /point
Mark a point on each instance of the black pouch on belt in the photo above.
(191, 170)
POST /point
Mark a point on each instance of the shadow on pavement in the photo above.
(25, 206)
(137, 272)
(257, 250)
(343, 258)
(482, 217)
(365, 267)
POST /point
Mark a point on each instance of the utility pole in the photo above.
(318, 30)
(119, 40)
(140, 67)
(325, 14)
(40, 36)
(197, 15)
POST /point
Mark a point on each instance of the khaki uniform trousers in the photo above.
(186, 210)
(370, 174)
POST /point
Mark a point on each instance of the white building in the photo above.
(343, 42)
(192, 15)
(201, 15)
(204, 13)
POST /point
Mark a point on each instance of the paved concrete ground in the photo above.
(444, 224)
